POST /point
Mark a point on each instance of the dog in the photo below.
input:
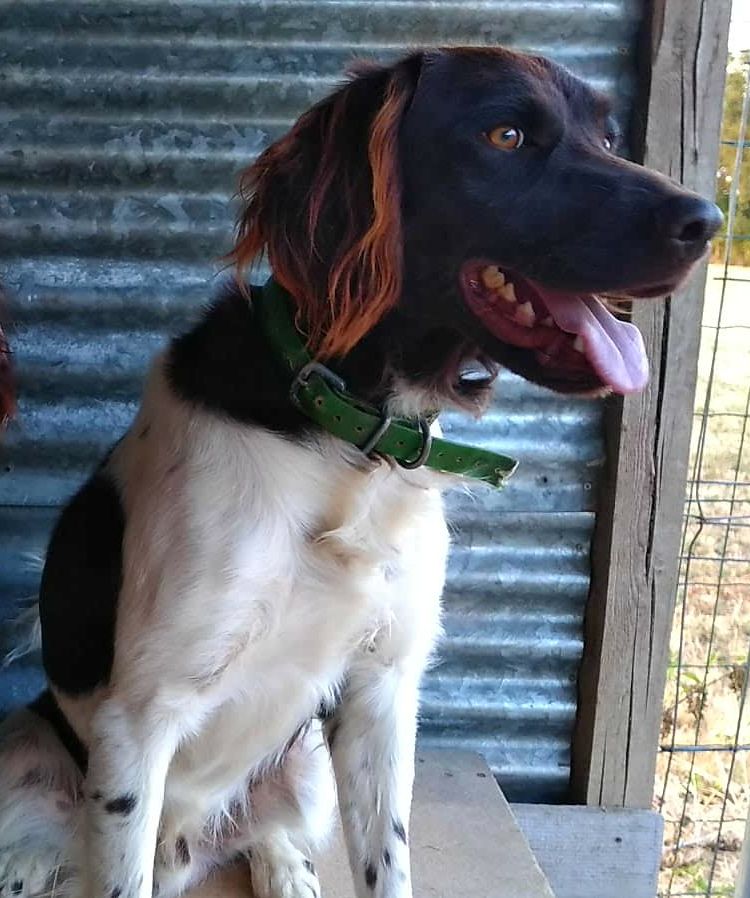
(238, 606)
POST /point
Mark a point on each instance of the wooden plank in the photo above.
(464, 839)
(593, 852)
(584, 852)
(634, 566)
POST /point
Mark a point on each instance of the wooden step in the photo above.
(465, 842)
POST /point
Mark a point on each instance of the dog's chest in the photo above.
(333, 565)
(352, 553)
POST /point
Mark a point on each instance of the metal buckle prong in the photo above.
(424, 426)
(302, 378)
(374, 438)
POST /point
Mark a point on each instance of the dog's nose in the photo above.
(688, 223)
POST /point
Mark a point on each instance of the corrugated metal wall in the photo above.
(122, 128)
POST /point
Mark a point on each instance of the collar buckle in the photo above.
(322, 396)
(374, 438)
(424, 452)
(302, 379)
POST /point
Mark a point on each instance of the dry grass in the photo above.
(705, 796)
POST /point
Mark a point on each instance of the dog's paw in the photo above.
(27, 874)
(279, 870)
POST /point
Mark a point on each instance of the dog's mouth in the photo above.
(574, 339)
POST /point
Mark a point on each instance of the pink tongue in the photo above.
(614, 348)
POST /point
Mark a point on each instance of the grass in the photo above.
(705, 796)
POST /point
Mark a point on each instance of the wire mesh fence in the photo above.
(703, 778)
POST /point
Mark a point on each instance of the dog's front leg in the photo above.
(129, 756)
(372, 736)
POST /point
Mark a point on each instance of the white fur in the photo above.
(262, 577)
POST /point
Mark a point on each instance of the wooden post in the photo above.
(637, 540)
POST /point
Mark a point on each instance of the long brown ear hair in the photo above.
(324, 204)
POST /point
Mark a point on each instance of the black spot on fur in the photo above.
(80, 587)
(398, 829)
(309, 866)
(387, 859)
(123, 804)
(332, 730)
(326, 709)
(116, 892)
(182, 850)
(33, 777)
(371, 876)
(16, 887)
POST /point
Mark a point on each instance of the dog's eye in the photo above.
(607, 143)
(506, 137)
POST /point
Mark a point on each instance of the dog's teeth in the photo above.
(492, 277)
(525, 315)
(508, 293)
(549, 321)
(578, 344)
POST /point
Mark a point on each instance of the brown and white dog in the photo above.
(235, 594)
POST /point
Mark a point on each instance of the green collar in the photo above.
(321, 395)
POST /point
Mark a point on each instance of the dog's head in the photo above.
(464, 206)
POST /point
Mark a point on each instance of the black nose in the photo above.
(688, 222)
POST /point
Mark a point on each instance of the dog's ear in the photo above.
(7, 383)
(324, 204)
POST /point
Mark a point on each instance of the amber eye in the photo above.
(506, 137)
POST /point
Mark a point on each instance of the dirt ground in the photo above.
(705, 705)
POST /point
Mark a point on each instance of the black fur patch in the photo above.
(123, 804)
(80, 586)
(371, 876)
(182, 850)
(16, 887)
(387, 860)
(309, 866)
(116, 892)
(224, 364)
(398, 829)
(46, 707)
